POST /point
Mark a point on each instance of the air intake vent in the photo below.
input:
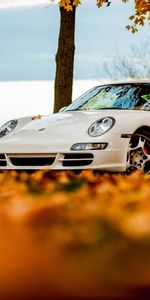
(77, 159)
(3, 162)
(31, 161)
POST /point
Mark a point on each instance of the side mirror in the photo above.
(62, 109)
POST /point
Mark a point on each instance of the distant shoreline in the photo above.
(10, 4)
(27, 98)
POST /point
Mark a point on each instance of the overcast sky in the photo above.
(29, 38)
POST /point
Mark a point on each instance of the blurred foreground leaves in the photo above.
(74, 235)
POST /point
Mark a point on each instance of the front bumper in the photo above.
(113, 158)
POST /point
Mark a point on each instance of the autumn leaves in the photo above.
(140, 15)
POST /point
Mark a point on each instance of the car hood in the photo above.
(70, 125)
(61, 126)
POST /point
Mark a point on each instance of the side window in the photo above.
(145, 101)
(143, 98)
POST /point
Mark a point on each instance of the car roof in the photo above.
(130, 81)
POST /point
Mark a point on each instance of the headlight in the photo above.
(101, 126)
(8, 127)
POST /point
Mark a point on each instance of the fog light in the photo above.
(89, 146)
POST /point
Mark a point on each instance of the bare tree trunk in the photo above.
(65, 59)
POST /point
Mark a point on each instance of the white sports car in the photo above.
(107, 128)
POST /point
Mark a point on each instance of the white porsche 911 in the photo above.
(107, 128)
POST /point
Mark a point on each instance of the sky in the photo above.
(29, 36)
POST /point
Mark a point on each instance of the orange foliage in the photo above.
(68, 4)
(66, 234)
(141, 10)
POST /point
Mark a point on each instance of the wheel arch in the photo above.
(145, 129)
(144, 133)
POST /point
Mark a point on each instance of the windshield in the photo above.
(125, 96)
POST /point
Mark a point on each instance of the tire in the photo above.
(138, 156)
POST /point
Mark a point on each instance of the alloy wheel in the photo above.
(138, 157)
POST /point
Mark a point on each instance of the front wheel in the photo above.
(138, 157)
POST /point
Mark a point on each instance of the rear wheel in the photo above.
(138, 157)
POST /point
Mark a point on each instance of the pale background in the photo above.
(29, 33)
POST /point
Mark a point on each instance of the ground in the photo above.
(74, 235)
